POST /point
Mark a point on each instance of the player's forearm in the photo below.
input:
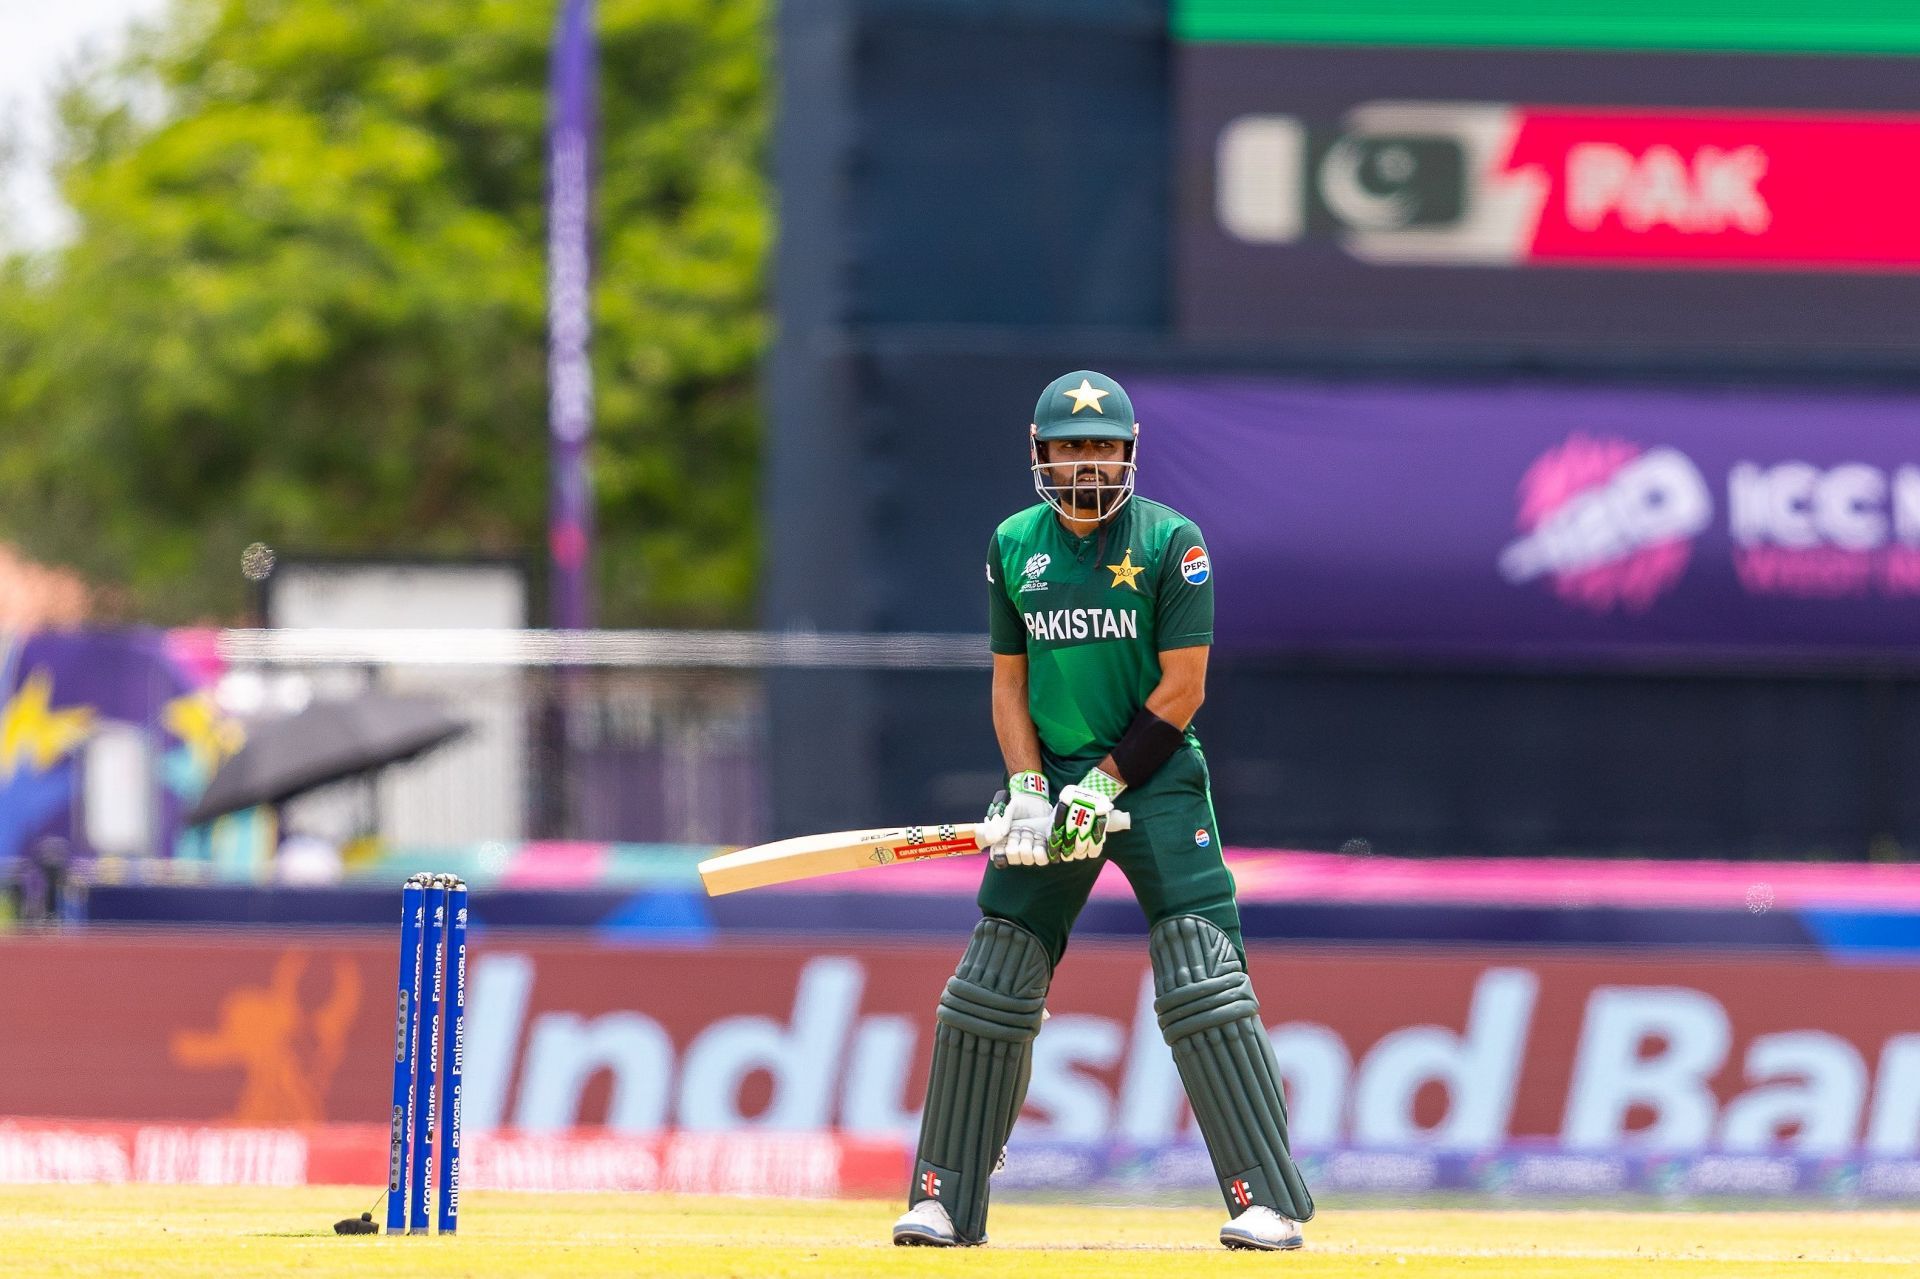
(1183, 685)
(1013, 726)
(1176, 700)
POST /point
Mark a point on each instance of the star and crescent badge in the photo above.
(1125, 571)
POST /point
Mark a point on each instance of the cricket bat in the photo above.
(810, 856)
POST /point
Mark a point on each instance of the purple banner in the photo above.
(569, 317)
(122, 703)
(1537, 519)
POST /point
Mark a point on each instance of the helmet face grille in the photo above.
(1076, 499)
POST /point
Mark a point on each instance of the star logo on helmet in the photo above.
(1085, 396)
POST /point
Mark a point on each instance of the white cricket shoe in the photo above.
(926, 1225)
(1258, 1227)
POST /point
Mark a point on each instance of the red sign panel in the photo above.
(1728, 189)
(1385, 1049)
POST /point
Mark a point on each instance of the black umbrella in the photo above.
(324, 743)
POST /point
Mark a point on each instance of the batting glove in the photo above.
(1080, 818)
(1029, 817)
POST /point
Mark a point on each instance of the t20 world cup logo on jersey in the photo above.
(1608, 523)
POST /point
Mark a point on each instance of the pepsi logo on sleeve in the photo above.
(1194, 566)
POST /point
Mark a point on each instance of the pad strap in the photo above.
(1211, 1020)
(982, 1058)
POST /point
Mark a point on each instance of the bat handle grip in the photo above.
(994, 829)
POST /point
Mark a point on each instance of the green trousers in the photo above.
(1171, 857)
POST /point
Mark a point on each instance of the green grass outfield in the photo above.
(169, 1231)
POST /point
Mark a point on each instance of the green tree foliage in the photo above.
(306, 301)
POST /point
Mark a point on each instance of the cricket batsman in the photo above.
(1101, 606)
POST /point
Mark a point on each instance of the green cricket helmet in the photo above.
(1082, 405)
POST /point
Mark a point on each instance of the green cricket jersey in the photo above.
(1092, 615)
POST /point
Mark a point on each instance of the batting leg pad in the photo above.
(1212, 1022)
(982, 1057)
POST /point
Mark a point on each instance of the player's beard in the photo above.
(1087, 493)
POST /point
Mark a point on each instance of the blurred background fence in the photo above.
(611, 736)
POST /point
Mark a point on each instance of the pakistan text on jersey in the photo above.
(1083, 623)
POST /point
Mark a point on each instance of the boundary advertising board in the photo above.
(1388, 1049)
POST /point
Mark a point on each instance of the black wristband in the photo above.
(1148, 743)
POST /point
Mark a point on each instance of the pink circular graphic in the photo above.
(1584, 503)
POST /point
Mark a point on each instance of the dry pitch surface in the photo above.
(155, 1231)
